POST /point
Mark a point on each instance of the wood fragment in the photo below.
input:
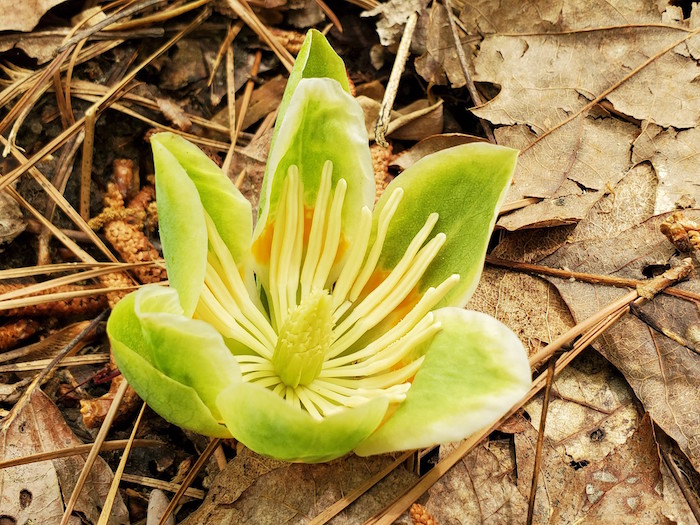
(683, 233)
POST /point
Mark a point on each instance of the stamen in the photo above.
(352, 266)
(284, 268)
(331, 239)
(307, 404)
(396, 287)
(210, 310)
(322, 403)
(391, 355)
(267, 382)
(426, 303)
(226, 268)
(385, 217)
(222, 295)
(313, 252)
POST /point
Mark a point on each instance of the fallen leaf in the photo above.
(393, 17)
(254, 490)
(663, 373)
(23, 16)
(34, 493)
(414, 122)
(11, 219)
(599, 452)
(550, 74)
(673, 154)
(439, 64)
(430, 145)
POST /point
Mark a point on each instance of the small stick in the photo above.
(473, 93)
(86, 164)
(382, 125)
(114, 487)
(540, 439)
(593, 278)
(116, 444)
(211, 447)
(94, 451)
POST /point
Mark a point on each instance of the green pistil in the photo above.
(303, 340)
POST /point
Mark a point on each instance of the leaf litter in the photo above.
(605, 181)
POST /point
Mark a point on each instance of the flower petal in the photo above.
(264, 422)
(316, 59)
(465, 186)
(475, 369)
(228, 208)
(176, 364)
(183, 231)
(322, 123)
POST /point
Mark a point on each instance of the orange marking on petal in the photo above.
(262, 247)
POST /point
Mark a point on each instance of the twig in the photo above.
(473, 93)
(114, 487)
(382, 125)
(593, 278)
(540, 440)
(94, 451)
(211, 447)
(77, 450)
(86, 164)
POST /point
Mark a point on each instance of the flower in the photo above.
(328, 327)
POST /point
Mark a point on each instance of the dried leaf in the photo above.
(23, 16)
(621, 238)
(430, 145)
(394, 15)
(248, 491)
(547, 78)
(599, 454)
(34, 493)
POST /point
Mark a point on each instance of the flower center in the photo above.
(303, 340)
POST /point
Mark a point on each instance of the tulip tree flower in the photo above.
(329, 326)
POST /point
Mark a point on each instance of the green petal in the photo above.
(322, 123)
(466, 186)
(263, 422)
(188, 351)
(228, 208)
(183, 231)
(475, 369)
(178, 403)
(316, 59)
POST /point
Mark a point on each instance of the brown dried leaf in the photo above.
(430, 145)
(663, 373)
(23, 16)
(547, 78)
(595, 434)
(674, 157)
(248, 491)
(34, 493)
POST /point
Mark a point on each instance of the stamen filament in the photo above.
(353, 264)
(210, 310)
(313, 251)
(331, 239)
(225, 267)
(385, 217)
(426, 303)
